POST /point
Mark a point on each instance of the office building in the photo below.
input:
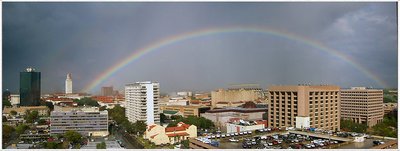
(234, 97)
(305, 106)
(29, 87)
(142, 102)
(86, 121)
(107, 91)
(68, 84)
(362, 105)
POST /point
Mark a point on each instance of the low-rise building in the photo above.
(14, 99)
(238, 125)
(21, 111)
(187, 110)
(160, 135)
(87, 121)
(222, 116)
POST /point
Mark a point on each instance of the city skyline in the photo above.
(200, 46)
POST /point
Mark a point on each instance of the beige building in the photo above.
(42, 110)
(362, 105)
(305, 106)
(222, 98)
(222, 116)
(186, 110)
(170, 135)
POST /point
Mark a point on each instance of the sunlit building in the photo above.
(142, 102)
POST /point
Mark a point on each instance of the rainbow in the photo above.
(213, 31)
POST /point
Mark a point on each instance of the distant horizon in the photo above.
(201, 46)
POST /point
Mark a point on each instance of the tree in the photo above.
(118, 114)
(140, 126)
(185, 144)
(348, 125)
(102, 108)
(7, 131)
(13, 112)
(6, 103)
(87, 101)
(162, 118)
(30, 117)
(52, 145)
(4, 119)
(73, 136)
(42, 122)
(101, 145)
(20, 129)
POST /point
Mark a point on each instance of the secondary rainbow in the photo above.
(213, 31)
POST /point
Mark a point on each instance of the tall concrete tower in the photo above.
(68, 84)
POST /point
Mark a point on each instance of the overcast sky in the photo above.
(85, 39)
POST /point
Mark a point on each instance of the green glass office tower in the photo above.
(29, 88)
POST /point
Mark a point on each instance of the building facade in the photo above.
(237, 126)
(68, 84)
(186, 110)
(234, 97)
(305, 106)
(142, 102)
(160, 135)
(29, 87)
(107, 91)
(14, 99)
(86, 121)
(362, 105)
(222, 116)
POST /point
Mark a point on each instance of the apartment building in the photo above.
(87, 121)
(302, 106)
(362, 105)
(142, 102)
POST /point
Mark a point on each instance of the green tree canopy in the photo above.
(73, 136)
(87, 102)
(31, 116)
(6, 103)
(42, 122)
(20, 129)
(348, 125)
(200, 122)
(13, 112)
(101, 145)
(162, 117)
(7, 131)
(52, 145)
(118, 114)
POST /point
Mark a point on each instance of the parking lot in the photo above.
(281, 139)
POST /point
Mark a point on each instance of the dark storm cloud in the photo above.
(87, 38)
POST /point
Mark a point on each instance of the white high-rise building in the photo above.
(142, 102)
(68, 84)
